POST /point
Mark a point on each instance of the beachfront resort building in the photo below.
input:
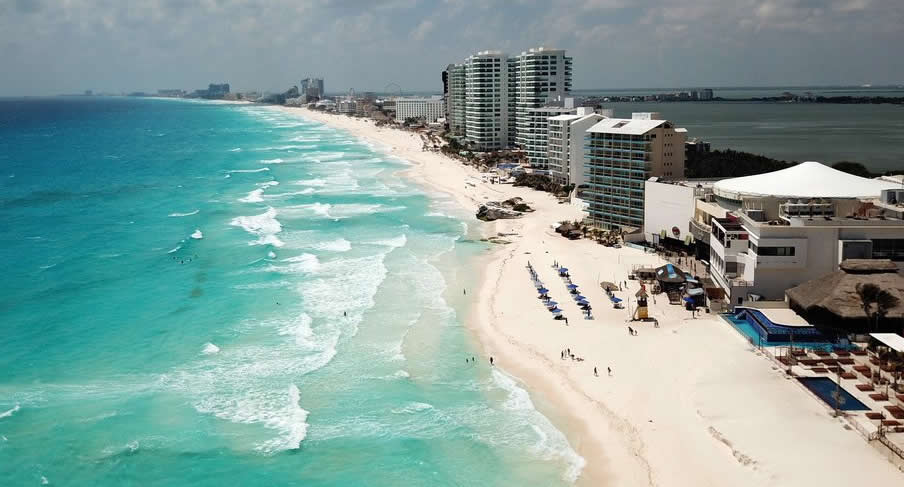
(493, 99)
(542, 80)
(311, 89)
(622, 154)
(454, 96)
(790, 226)
(565, 144)
(486, 106)
(429, 109)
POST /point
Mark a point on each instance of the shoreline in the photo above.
(689, 403)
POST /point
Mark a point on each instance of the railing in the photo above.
(891, 446)
(699, 230)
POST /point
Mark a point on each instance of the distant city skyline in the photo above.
(103, 46)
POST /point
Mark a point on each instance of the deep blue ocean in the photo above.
(218, 294)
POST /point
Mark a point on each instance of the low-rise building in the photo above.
(790, 226)
(428, 109)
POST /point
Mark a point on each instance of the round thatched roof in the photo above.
(837, 292)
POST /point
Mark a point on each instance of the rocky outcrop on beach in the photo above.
(510, 208)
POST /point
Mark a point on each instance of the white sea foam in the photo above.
(265, 226)
(311, 182)
(197, 235)
(268, 184)
(210, 349)
(237, 149)
(412, 407)
(44, 480)
(394, 242)
(184, 214)
(550, 442)
(175, 249)
(10, 412)
(255, 196)
(271, 254)
(272, 161)
(234, 171)
(304, 263)
(338, 245)
(292, 193)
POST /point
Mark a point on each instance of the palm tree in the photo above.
(885, 301)
(869, 294)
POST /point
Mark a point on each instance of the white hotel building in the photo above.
(565, 151)
(770, 232)
(496, 106)
(540, 76)
(429, 109)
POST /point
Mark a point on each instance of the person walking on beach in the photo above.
(491, 360)
(595, 373)
(464, 291)
(610, 371)
(630, 331)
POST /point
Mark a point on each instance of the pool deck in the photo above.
(783, 316)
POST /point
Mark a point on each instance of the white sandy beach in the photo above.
(690, 403)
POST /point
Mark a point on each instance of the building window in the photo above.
(772, 251)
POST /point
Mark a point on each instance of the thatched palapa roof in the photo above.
(836, 293)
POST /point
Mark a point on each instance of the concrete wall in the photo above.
(667, 207)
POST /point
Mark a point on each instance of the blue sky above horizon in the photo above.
(65, 46)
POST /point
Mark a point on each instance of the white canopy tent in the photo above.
(805, 180)
(891, 340)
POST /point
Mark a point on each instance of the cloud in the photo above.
(269, 44)
(421, 31)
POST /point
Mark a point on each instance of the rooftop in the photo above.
(820, 181)
(628, 126)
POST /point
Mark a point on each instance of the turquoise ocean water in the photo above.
(208, 294)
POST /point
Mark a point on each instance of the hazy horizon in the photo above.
(106, 46)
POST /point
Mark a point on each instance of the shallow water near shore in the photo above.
(203, 294)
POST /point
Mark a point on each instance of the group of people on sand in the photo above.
(568, 354)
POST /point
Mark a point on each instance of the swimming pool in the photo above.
(825, 388)
(752, 334)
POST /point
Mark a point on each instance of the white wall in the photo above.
(666, 207)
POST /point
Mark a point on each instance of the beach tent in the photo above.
(555, 311)
(616, 300)
(551, 304)
(572, 286)
(543, 290)
(563, 270)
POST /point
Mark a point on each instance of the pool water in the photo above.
(753, 336)
(825, 388)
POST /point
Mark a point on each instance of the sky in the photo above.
(67, 46)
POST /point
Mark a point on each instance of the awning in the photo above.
(616, 300)
(688, 299)
(572, 286)
(563, 269)
(695, 291)
(891, 340)
(542, 290)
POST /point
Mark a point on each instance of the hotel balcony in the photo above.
(699, 230)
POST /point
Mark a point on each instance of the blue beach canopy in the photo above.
(555, 310)
(563, 269)
(616, 300)
(689, 300)
(552, 304)
(578, 297)
(542, 290)
(572, 286)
